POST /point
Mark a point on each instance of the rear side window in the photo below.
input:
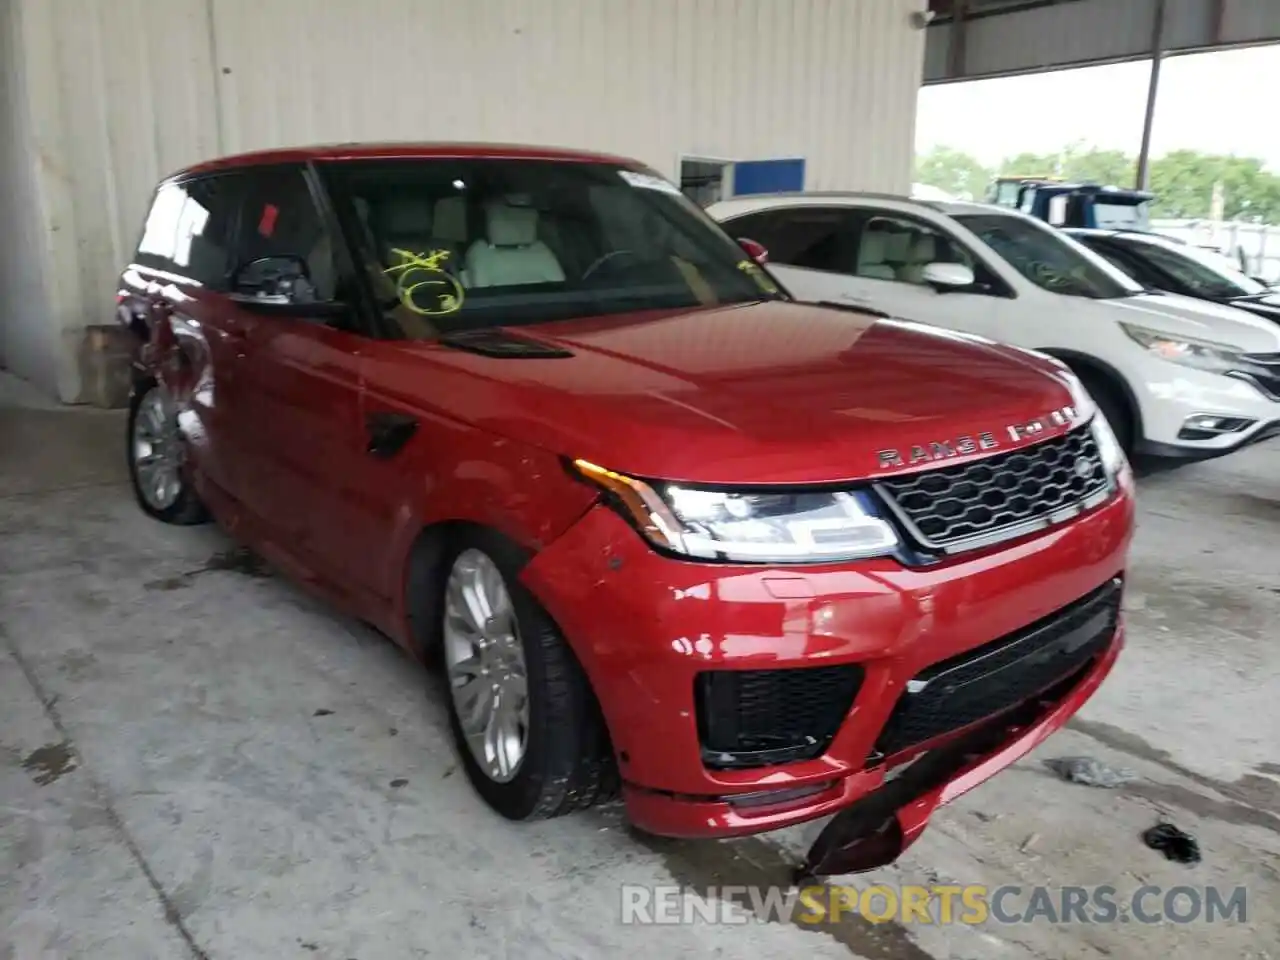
(800, 237)
(188, 231)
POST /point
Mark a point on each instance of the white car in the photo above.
(1178, 378)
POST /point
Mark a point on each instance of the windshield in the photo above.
(1120, 216)
(1204, 272)
(453, 244)
(1049, 258)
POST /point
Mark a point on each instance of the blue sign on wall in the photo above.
(767, 176)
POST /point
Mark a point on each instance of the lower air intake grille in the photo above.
(996, 676)
(999, 495)
(755, 718)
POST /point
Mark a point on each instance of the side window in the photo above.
(1126, 263)
(892, 247)
(279, 219)
(189, 230)
(811, 237)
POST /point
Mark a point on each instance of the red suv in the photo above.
(669, 533)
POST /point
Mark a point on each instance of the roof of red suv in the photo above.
(373, 151)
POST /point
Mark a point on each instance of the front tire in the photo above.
(526, 723)
(1112, 405)
(157, 459)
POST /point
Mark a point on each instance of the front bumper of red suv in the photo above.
(839, 648)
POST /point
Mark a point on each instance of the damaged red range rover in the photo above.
(670, 534)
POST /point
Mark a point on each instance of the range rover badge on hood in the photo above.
(973, 443)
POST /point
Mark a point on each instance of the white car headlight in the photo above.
(756, 526)
(1201, 354)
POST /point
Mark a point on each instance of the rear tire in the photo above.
(157, 459)
(565, 761)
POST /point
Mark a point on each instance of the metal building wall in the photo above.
(27, 341)
(122, 91)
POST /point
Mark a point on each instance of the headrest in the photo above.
(405, 217)
(508, 226)
(897, 245)
(872, 248)
(450, 221)
(923, 248)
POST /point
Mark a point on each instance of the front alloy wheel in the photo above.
(528, 729)
(484, 661)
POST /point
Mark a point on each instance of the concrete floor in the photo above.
(199, 761)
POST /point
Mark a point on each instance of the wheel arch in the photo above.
(1085, 365)
(424, 573)
(425, 569)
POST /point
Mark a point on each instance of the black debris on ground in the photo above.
(1176, 845)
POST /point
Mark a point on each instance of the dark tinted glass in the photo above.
(280, 219)
(1202, 273)
(801, 237)
(189, 228)
(1050, 258)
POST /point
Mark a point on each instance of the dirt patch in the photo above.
(50, 762)
(240, 560)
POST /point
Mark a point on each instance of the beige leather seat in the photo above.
(449, 232)
(872, 256)
(402, 225)
(510, 252)
(923, 250)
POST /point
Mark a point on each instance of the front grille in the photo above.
(1263, 371)
(754, 718)
(973, 504)
(999, 675)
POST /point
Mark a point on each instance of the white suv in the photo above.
(1177, 378)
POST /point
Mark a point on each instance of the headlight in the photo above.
(1109, 449)
(1202, 354)
(749, 526)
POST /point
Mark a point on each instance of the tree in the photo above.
(1031, 165)
(1074, 162)
(1184, 182)
(953, 171)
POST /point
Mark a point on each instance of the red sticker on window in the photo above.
(267, 225)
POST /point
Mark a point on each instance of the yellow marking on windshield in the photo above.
(419, 275)
(756, 273)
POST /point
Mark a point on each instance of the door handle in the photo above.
(388, 432)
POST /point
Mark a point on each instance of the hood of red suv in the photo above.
(771, 392)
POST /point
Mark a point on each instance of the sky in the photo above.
(1219, 102)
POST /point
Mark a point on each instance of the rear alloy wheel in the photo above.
(157, 459)
(527, 726)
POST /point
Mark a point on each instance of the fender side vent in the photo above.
(497, 342)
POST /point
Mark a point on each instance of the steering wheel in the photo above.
(605, 258)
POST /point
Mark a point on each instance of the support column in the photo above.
(1153, 90)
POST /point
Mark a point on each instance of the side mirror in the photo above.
(948, 277)
(754, 249)
(281, 286)
(284, 275)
